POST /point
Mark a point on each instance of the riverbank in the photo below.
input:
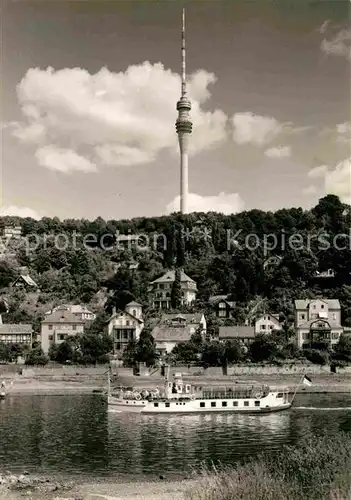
(317, 469)
(329, 383)
(18, 487)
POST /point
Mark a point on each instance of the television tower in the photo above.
(184, 128)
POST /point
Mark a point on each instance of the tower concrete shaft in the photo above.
(184, 128)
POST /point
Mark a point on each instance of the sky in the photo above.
(88, 106)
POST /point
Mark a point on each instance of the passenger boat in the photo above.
(179, 397)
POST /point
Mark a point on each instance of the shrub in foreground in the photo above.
(317, 469)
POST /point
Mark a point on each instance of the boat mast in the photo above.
(296, 388)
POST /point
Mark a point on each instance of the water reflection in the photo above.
(76, 434)
(169, 442)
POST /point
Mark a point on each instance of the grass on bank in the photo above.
(317, 469)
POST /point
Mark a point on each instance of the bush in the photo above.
(317, 469)
(317, 357)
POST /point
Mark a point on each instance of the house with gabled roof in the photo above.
(245, 334)
(21, 334)
(58, 326)
(26, 282)
(160, 290)
(222, 306)
(125, 326)
(173, 329)
(317, 320)
(80, 311)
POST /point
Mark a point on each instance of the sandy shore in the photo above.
(141, 490)
(321, 384)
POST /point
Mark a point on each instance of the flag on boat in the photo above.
(307, 381)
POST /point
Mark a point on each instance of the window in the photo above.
(235, 403)
(50, 327)
(125, 335)
(322, 306)
(334, 316)
(134, 312)
(127, 322)
(257, 403)
(222, 305)
(268, 317)
(166, 405)
(263, 327)
(62, 336)
(221, 313)
(314, 306)
(302, 316)
(202, 404)
(305, 336)
(51, 337)
(335, 335)
(246, 403)
(271, 327)
(118, 346)
(156, 405)
(74, 327)
(279, 395)
(224, 403)
(213, 404)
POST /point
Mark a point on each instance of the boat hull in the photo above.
(192, 406)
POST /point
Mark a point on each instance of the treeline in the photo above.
(248, 256)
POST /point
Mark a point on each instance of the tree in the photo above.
(342, 350)
(263, 348)
(36, 357)
(176, 292)
(145, 349)
(4, 352)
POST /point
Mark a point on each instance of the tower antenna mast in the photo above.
(183, 127)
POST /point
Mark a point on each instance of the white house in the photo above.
(124, 326)
(317, 320)
(266, 323)
(173, 329)
(161, 288)
(58, 326)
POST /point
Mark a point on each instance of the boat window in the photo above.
(235, 403)
(202, 404)
(155, 404)
(167, 405)
(279, 395)
(257, 403)
(213, 404)
(224, 403)
(246, 403)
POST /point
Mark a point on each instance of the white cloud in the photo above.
(309, 190)
(338, 45)
(223, 203)
(63, 160)
(338, 181)
(255, 129)
(317, 172)
(123, 118)
(343, 133)
(278, 152)
(19, 212)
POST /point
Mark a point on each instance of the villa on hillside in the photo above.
(245, 334)
(161, 288)
(58, 326)
(267, 323)
(124, 326)
(12, 231)
(173, 329)
(317, 320)
(79, 311)
(222, 306)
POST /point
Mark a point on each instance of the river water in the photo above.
(72, 435)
